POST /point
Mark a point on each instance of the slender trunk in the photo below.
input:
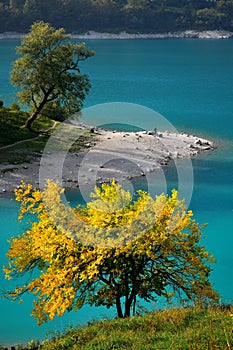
(127, 307)
(134, 305)
(30, 120)
(34, 115)
(118, 306)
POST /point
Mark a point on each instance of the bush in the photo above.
(1, 103)
(15, 107)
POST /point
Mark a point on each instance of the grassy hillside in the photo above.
(18, 144)
(26, 144)
(186, 328)
(11, 126)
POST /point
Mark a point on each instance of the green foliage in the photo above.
(54, 111)
(15, 107)
(48, 72)
(114, 16)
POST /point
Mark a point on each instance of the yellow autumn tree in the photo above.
(114, 250)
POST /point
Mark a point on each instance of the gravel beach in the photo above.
(118, 155)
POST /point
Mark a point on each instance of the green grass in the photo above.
(30, 143)
(185, 328)
(12, 130)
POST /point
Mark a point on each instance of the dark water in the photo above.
(190, 83)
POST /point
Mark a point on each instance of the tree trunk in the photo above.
(119, 309)
(134, 305)
(34, 115)
(30, 120)
(127, 307)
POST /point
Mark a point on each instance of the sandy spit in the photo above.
(119, 155)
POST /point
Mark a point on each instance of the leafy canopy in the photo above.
(117, 248)
(133, 16)
(48, 71)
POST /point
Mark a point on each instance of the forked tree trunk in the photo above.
(128, 304)
(34, 115)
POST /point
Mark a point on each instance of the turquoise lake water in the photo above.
(190, 83)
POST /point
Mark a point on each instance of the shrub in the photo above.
(15, 107)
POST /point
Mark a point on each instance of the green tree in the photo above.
(209, 18)
(111, 252)
(48, 71)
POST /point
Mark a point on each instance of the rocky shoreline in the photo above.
(118, 155)
(187, 34)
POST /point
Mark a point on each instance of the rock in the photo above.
(203, 143)
(206, 148)
(206, 143)
(199, 142)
